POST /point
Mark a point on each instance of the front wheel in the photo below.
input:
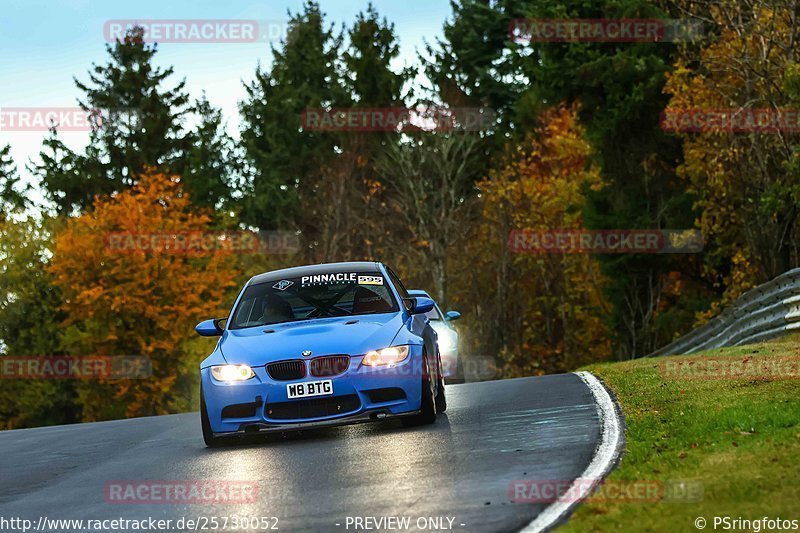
(427, 413)
(441, 400)
(208, 435)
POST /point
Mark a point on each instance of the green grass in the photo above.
(739, 438)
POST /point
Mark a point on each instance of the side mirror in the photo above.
(210, 328)
(418, 305)
(452, 315)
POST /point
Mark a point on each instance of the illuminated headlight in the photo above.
(232, 372)
(386, 356)
(445, 342)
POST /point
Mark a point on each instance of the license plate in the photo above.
(309, 388)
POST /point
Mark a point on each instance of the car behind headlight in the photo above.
(232, 372)
(386, 356)
(445, 341)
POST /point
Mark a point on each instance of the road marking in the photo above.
(606, 454)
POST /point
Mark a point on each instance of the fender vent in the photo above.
(389, 394)
(240, 410)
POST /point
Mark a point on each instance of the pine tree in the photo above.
(11, 197)
(619, 87)
(62, 177)
(141, 119)
(283, 163)
(372, 47)
(138, 125)
(361, 224)
(210, 161)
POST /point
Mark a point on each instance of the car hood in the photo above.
(322, 336)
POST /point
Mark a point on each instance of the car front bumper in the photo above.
(360, 394)
(370, 415)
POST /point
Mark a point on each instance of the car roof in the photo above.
(310, 270)
(419, 292)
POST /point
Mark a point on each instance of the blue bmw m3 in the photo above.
(320, 345)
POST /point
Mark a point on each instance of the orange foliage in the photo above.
(137, 303)
(553, 300)
(744, 182)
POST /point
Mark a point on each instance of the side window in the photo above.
(397, 283)
(434, 314)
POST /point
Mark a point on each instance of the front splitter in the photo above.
(374, 415)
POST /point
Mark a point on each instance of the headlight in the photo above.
(232, 372)
(386, 356)
(445, 341)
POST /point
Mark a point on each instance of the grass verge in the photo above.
(736, 441)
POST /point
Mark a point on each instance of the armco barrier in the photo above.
(764, 312)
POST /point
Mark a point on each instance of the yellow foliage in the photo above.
(554, 298)
(744, 183)
(138, 303)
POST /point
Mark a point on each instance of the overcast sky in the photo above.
(45, 44)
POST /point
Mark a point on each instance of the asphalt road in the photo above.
(493, 433)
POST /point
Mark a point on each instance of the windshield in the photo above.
(309, 297)
(434, 314)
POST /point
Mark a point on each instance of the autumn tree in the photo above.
(138, 303)
(541, 313)
(431, 185)
(746, 183)
(619, 89)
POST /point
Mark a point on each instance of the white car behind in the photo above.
(448, 339)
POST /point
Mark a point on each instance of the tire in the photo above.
(441, 399)
(427, 414)
(208, 435)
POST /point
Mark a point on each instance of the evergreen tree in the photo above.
(210, 162)
(141, 118)
(139, 124)
(471, 65)
(283, 163)
(11, 197)
(619, 87)
(372, 47)
(363, 227)
(62, 176)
